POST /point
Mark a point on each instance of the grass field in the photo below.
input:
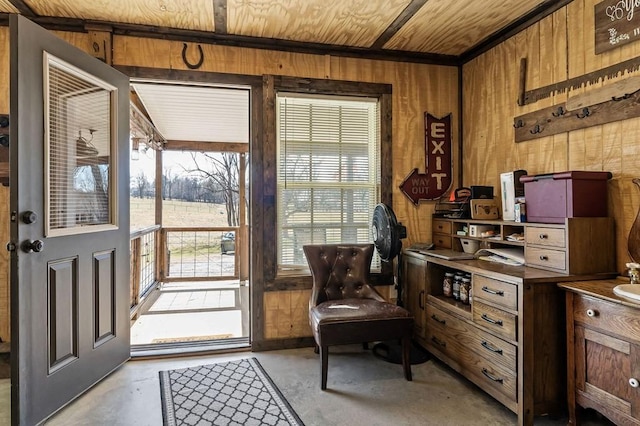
(191, 253)
(177, 213)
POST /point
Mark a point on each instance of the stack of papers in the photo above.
(509, 256)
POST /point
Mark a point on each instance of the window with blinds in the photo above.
(328, 179)
(79, 145)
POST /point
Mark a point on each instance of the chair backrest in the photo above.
(340, 271)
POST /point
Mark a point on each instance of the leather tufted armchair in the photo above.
(345, 309)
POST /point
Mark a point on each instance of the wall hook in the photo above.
(559, 112)
(187, 63)
(536, 129)
(620, 98)
(519, 123)
(585, 113)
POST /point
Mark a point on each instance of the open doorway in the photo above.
(189, 192)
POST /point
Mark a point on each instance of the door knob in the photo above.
(29, 217)
(36, 246)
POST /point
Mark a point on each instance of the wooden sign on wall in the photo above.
(617, 23)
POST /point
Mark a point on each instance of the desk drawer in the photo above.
(498, 321)
(453, 336)
(546, 258)
(548, 237)
(442, 241)
(499, 292)
(612, 318)
(442, 226)
(488, 375)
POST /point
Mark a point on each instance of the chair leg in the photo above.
(406, 357)
(324, 356)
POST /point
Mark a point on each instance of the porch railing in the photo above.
(144, 266)
(199, 253)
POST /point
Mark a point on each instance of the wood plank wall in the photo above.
(560, 46)
(557, 48)
(416, 88)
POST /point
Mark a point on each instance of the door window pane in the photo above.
(79, 150)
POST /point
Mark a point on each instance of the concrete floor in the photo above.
(363, 390)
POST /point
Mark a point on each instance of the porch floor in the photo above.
(192, 312)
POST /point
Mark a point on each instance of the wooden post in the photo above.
(243, 239)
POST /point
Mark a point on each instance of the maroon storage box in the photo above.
(551, 198)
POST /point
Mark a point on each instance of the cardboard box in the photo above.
(553, 197)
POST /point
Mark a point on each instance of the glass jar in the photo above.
(465, 285)
(457, 279)
(447, 284)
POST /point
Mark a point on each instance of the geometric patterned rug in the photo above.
(229, 393)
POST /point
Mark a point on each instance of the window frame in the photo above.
(278, 280)
(305, 108)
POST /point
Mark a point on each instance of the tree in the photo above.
(167, 183)
(141, 184)
(220, 173)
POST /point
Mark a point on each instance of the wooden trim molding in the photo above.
(271, 86)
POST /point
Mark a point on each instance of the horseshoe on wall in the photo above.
(190, 65)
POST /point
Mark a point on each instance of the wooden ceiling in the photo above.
(430, 31)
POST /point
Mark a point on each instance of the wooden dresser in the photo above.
(603, 351)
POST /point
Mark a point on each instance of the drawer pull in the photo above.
(441, 321)
(491, 347)
(634, 382)
(543, 257)
(543, 236)
(592, 313)
(438, 342)
(492, 377)
(421, 300)
(491, 291)
(491, 320)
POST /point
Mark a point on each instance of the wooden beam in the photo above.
(220, 16)
(24, 9)
(204, 37)
(398, 23)
(206, 146)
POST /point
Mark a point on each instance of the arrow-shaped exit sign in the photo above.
(439, 176)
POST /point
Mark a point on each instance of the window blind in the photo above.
(78, 149)
(328, 172)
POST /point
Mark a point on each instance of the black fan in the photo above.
(387, 237)
(387, 232)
